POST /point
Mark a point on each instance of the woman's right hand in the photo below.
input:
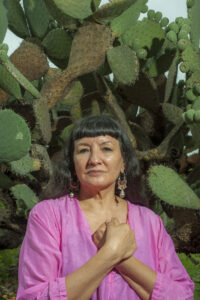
(119, 239)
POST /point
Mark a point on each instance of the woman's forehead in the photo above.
(101, 139)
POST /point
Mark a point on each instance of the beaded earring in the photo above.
(122, 184)
(74, 187)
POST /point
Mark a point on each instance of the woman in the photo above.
(91, 243)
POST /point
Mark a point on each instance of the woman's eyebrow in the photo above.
(82, 144)
(107, 142)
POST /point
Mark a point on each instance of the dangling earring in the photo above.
(74, 187)
(122, 184)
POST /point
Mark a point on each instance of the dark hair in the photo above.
(95, 126)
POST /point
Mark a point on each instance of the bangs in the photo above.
(95, 126)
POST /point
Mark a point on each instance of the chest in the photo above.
(98, 217)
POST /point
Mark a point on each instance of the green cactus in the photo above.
(197, 116)
(180, 21)
(188, 116)
(59, 16)
(144, 33)
(158, 16)
(17, 20)
(9, 84)
(43, 121)
(161, 181)
(15, 134)
(57, 43)
(3, 21)
(25, 199)
(191, 57)
(193, 14)
(172, 112)
(142, 53)
(183, 34)
(76, 112)
(74, 95)
(25, 165)
(171, 79)
(185, 67)
(107, 12)
(190, 3)
(151, 14)
(40, 153)
(128, 18)
(172, 36)
(182, 44)
(38, 17)
(77, 9)
(17, 75)
(66, 133)
(124, 64)
(5, 181)
(173, 27)
(186, 28)
(190, 95)
(164, 22)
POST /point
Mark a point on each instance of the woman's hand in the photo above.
(118, 238)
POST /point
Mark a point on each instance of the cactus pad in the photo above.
(124, 64)
(15, 134)
(57, 43)
(168, 186)
(25, 199)
(193, 13)
(98, 39)
(107, 12)
(65, 134)
(5, 181)
(43, 122)
(144, 33)
(172, 112)
(193, 80)
(25, 165)
(17, 19)
(38, 17)
(59, 16)
(30, 60)
(172, 36)
(77, 8)
(83, 60)
(9, 84)
(74, 95)
(128, 18)
(3, 21)
(191, 57)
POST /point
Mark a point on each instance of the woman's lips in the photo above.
(95, 172)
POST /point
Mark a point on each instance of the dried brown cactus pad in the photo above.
(30, 60)
(87, 54)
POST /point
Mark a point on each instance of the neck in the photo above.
(102, 198)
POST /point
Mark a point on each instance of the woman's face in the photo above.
(98, 161)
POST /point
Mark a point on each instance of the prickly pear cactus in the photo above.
(122, 59)
(161, 181)
(15, 135)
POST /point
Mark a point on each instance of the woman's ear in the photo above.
(122, 168)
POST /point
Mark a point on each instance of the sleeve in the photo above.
(40, 258)
(173, 282)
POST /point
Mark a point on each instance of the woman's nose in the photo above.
(94, 157)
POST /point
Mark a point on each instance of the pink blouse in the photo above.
(58, 241)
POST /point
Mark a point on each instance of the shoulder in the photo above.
(51, 210)
(144, 215)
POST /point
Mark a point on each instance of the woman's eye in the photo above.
(107, 149)
(83, 150)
